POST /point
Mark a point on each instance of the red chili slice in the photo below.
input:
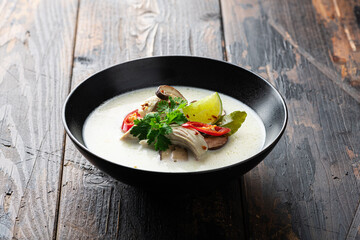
(212, 130)
(129, 120)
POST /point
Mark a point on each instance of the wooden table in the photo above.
(307, 188)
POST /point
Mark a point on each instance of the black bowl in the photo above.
(199, 72)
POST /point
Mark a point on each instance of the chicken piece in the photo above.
(149, 106)
(127, 135)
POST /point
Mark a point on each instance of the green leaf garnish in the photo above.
(155, 126)
(233, 121)
(171, 105)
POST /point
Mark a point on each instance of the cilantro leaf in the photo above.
(165, 129)
(171, 105)
(162, 143)
(162, 106)
(152, 135)
(155, 126)
(176, 117)
(180, 103)
(141, 129)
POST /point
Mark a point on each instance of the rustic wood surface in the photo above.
(36, 42)
(307, 188)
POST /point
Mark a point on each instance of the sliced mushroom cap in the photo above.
(179, 153)
(164, 91)
(216, 142)
(167, 153)
(190, 139)
(175, 153)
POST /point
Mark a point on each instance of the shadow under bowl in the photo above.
(205, 73)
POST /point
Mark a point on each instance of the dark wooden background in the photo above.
(307, 188)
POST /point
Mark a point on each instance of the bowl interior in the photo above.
(177, 70)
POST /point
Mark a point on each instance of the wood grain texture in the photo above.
(295, 21)
(93, 205)
(348, 13)
(340, 21)
(116, 31)
(308, 187)
(36, 40)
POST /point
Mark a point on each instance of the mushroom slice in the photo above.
(149, 105)
(179, 153)
(216, 142)
(167, 153)
(190, 139)
(164, 91)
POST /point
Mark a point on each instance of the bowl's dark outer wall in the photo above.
(176, 70)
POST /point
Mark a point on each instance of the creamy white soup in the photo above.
(102, 132)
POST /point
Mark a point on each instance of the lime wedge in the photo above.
(206, 110)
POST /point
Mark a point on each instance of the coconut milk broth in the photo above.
(102, 131)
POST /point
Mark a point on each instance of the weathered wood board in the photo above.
(36, 42)
(308, 187)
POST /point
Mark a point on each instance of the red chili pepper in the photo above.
(212, 130)
(129, 120)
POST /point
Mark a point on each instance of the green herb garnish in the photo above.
(155, 126)
(172, 104)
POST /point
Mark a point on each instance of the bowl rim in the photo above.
(208, 171)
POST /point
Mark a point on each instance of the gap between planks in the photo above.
(243, 203)
(61, 171)
(222, 32)
(354, 226)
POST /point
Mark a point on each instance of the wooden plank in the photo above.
(348, 13)
(341, 20)
(36, 41)
(308, 186)
(92, 204)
